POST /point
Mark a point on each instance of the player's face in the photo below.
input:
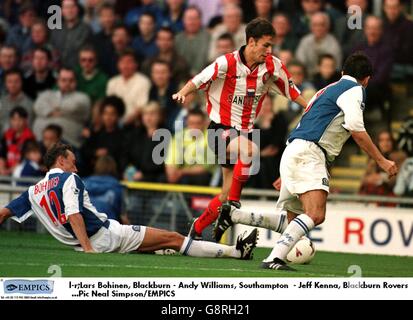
(261, 48)
(68, 164)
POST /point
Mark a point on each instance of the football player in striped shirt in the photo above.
(235, 86)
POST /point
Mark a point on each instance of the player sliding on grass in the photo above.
(333, 115)
(61, 203)
(235, 86)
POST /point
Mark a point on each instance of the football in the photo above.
(302, 253)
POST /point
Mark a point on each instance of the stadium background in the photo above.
(152, 48)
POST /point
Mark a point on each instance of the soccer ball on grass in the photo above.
(302, 253)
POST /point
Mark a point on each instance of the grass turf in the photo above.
(30, 255)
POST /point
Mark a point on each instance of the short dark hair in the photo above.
(259, 28)
(46, 51)
(56, 129)
(149, 14)
(115, 102)
(13, 71)
(166, 29)
(196, 112)
(128, 52)
(20, 111)
(30, 145)
(57, 150)
(226, 36)
(326, 56)
(358, 65)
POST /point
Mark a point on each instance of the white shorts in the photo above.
(302, 168)
(118, 238)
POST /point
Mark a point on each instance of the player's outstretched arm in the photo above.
(363, 139)
(181, 94)
(78, 226)
(301, 101)
(4, 214)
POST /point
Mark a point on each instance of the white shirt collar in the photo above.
(55, 170)
(347, 77)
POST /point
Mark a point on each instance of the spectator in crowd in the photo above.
(232, 24)
(19, 35)
(302, 19)
(210, 9)
(40, 77)
(188, 160)
(105, 190)
(91, 14)
(293, 111)
(193, 42)
(173, 15)
(284, 38)
(166, 52)
(138, 162)
(264, 9)
(349, 37)
(90, 79)
(51, 135)
(13, 97)
(108, 141)
(318, 42)
(144, 44)
(225, 44)
(162, 90)
(130, 85)
(380, 52)
(399, 30)
(191, 102)
(121, 41)
(13, 140)
(65, 107)
(404, 180)
(102, 41)
(134, 14)
(30, 164)
(327, 72)
(286, 56)
(39, 38)
(273, 133)
(375, 180)
(405, 139)
(8, 60)
(73, 35)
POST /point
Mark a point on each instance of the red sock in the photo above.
(208, 216)
(239, 179)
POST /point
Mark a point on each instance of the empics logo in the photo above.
(28, 286)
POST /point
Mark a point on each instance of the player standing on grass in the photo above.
(235, 86)
(333, 115)
(61, 203)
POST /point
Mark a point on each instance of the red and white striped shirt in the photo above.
(234, 93)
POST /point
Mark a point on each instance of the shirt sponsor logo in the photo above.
(250, 98)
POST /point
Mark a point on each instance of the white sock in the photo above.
(277, 222)
(301, 225)
(208, 249)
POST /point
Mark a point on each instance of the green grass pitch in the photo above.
(30, 255)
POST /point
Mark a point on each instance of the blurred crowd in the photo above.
(103, 82)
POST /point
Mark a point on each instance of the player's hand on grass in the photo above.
(178, 97)
(389, 166)
(91, 250)
(277, 184)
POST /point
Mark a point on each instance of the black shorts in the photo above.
(219, 137)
